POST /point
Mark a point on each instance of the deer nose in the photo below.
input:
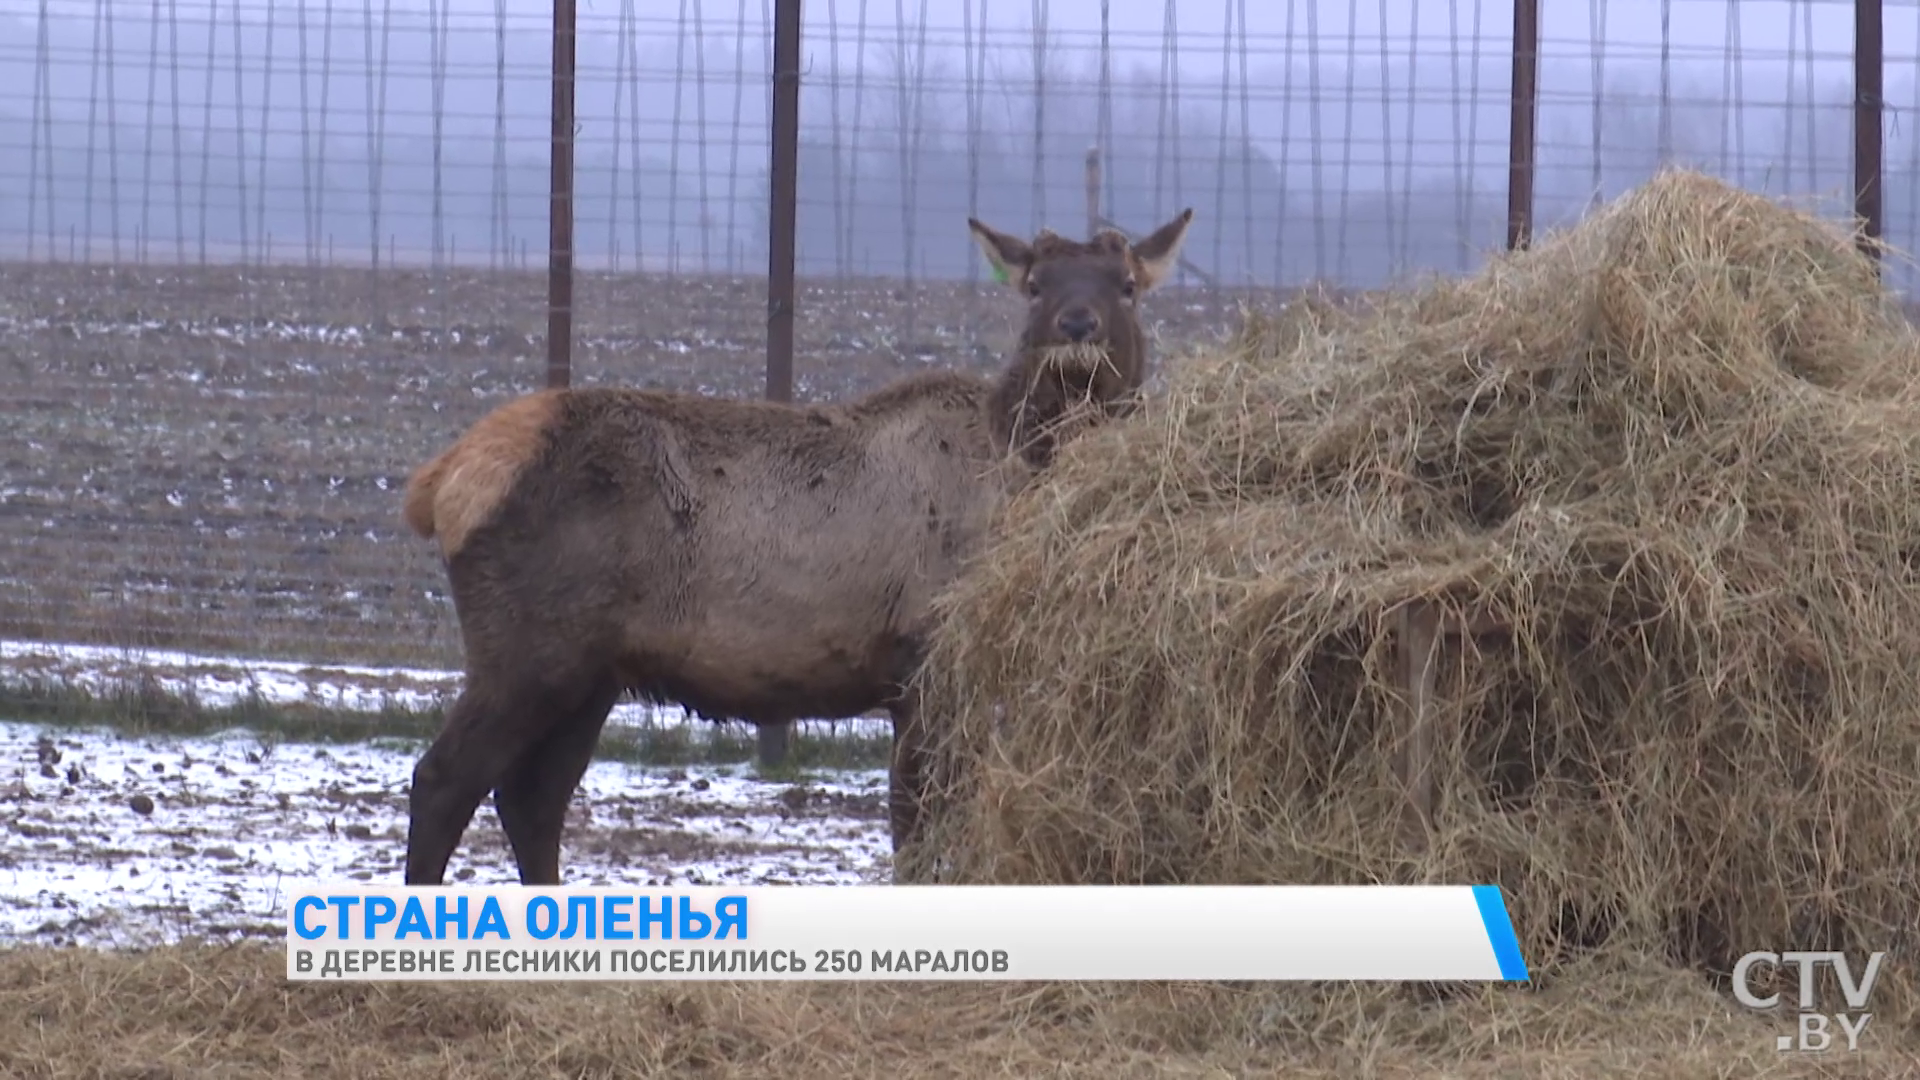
(1079, 325)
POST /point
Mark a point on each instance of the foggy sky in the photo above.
(1316, 150)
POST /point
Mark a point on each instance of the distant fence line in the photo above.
(363, 190)
(1315, 144)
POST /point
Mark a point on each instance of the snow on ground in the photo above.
(116, 841)
(108, 839)
(222, 680)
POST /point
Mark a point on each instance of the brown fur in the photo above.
(750, 560)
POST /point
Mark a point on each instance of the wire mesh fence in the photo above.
(262, 257)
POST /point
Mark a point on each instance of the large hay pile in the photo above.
(1676, 449)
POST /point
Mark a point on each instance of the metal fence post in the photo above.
(1520, 130)
(1094, 215)
(1868, 134)
(784, 181)
(560, 203)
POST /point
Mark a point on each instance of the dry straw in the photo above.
(229, 1013)
(1676, 449)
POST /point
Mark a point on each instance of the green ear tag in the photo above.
(999, 273)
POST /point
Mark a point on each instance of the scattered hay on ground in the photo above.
(216, 1013)
(1676, 449)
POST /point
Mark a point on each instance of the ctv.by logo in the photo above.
(1813, 1034)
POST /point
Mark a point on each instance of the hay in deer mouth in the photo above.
(1675, 449)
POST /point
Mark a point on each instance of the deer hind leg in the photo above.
(489, 727)
(532, 797)
(907, 778)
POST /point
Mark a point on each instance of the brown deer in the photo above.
(753, 560)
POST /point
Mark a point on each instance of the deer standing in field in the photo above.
(753, 560)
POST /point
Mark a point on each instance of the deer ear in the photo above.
(1010, 256)
(1155, 257)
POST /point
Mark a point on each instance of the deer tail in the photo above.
(462, 488)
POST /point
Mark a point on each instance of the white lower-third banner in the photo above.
(517, 932)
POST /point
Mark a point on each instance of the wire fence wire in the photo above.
(264, 257)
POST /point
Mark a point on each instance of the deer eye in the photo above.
(1033, 287)
(1127, 288)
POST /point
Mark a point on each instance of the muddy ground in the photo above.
(212, 458)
